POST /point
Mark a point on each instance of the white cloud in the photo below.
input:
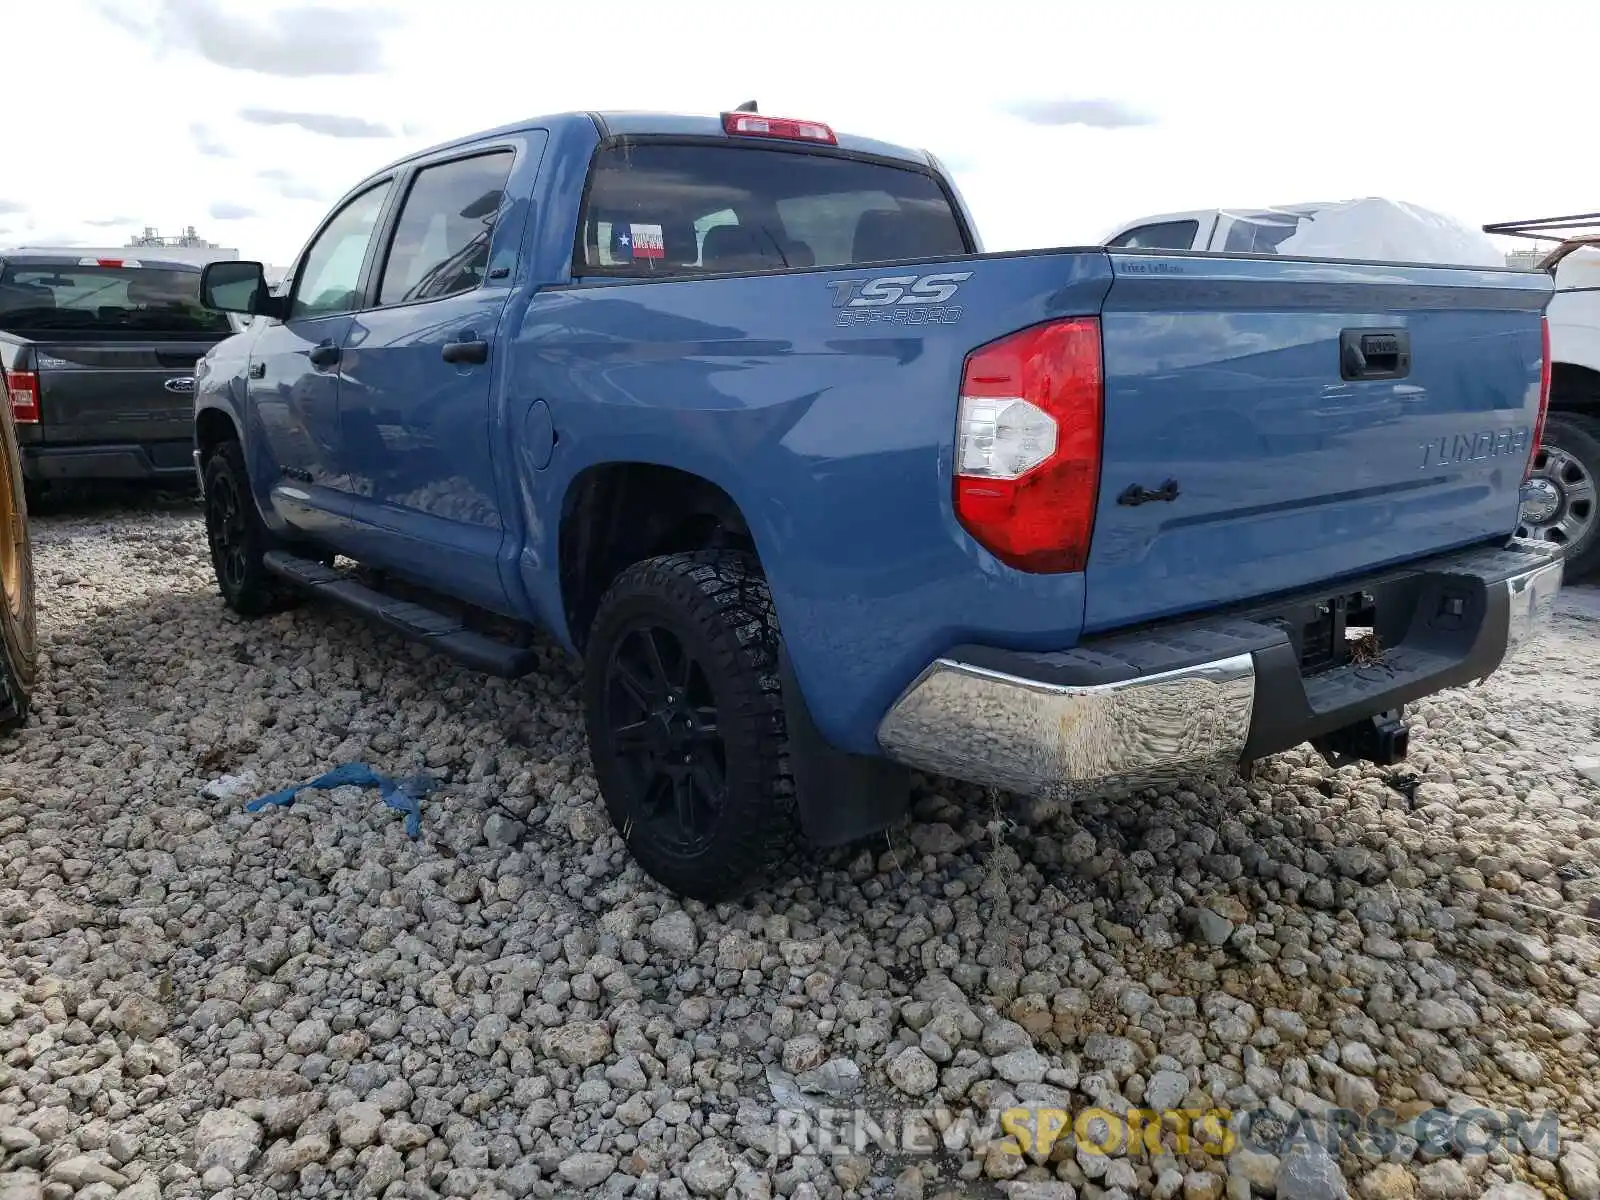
(1092, 113)
(326, 124)
(1252, 105)
(294, 41)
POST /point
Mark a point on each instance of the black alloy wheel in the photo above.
(686, 724)
(663, 723)
(237, 537)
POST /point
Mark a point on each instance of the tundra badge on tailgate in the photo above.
(1475, 446)
(899, 299)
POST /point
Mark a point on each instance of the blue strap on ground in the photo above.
(403, 795)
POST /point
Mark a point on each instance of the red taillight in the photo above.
(24, 389)
(1028, 445)
(1544, 397)
(741, 124)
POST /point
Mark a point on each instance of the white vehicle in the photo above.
(1371, 228)
(1559, 500)
(1249, 231)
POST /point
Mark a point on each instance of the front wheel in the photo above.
(686, 726)
(237, 536)
(1559, 504)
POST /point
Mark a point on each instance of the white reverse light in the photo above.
(1002, 437)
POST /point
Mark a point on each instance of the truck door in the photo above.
(295, 370)
(415, 402)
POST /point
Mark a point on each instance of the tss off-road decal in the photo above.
(899, 299)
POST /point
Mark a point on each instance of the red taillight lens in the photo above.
(754, 125)
(1544, 398)
(1028, 445)
(24, 389)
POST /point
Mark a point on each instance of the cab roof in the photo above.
(655, 124)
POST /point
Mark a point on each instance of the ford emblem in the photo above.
(183, 385)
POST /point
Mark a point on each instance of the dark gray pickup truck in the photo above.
(99, 357)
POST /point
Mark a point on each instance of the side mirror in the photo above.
(237, 287)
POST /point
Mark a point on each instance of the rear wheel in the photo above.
(18, 641)
(1560, 504)
(686, 726)
(237, 536)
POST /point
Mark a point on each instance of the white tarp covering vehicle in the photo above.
(1372, 228)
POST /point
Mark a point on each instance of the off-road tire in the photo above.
(247, 587)
(717, 605)
(19, 655)
(1579, 435)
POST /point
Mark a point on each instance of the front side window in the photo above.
(687, 209)
(441, 242)
(330, 279)
(1164, 235)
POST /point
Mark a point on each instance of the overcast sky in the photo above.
(1059, 118)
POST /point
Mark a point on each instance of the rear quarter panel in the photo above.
(832, 434)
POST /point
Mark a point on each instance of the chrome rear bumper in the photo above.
(1012, 729)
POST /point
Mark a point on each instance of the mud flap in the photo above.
(842, 797)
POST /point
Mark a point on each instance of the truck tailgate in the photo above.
(1268, 396)
(107, 391)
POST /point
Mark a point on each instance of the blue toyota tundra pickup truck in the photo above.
(740, 411)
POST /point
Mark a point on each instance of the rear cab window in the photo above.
(105, 301)
(686, 209)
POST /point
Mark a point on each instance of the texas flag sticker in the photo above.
(647, 241)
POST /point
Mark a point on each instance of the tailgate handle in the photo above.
(1374, 354)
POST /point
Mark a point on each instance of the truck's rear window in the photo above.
(662, 209)
(127, 301)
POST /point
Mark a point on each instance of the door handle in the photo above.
(324, 355)
(468, 349)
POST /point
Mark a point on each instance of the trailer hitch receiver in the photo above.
(1382, 739)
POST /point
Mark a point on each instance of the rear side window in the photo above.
(143, 301)
(1165, 235)
(1259, 237)
(661, 209)
(441, 242)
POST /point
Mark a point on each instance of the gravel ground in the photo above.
(196, 1000)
